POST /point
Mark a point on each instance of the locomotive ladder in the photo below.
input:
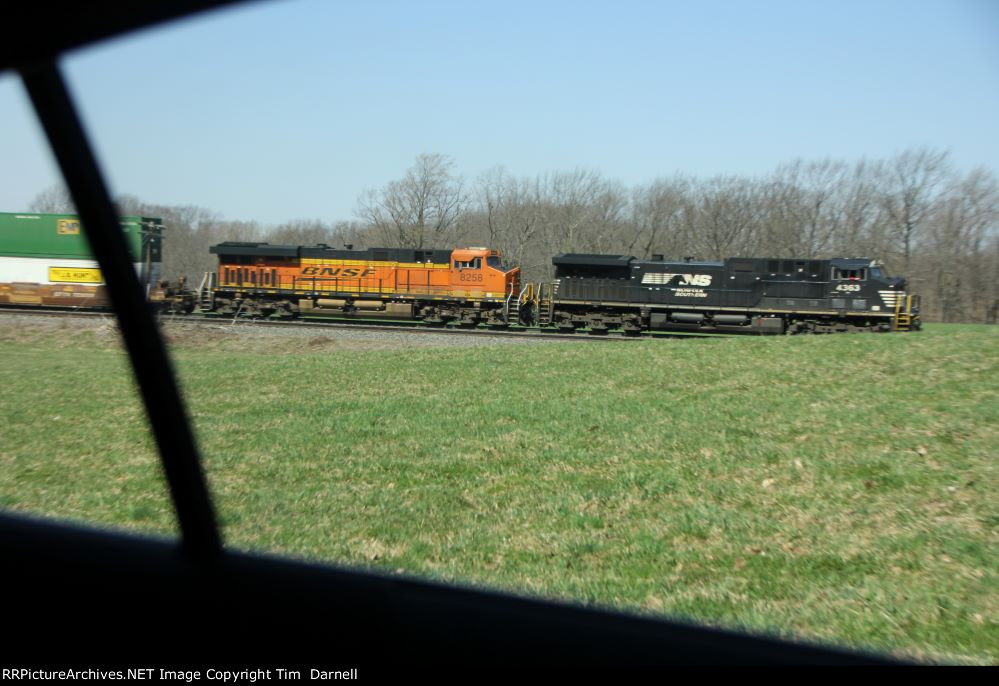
(903, 313)
(546, 303)
(514, 303)
(511, 308)
(206, 298)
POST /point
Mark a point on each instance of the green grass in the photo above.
(837, 488)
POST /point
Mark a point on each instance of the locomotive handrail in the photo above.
(527, 294)
(201, 286)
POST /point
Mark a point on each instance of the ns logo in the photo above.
(691, 279)
(686, 280)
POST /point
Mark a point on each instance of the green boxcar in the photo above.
(26, 234)
(45, 260)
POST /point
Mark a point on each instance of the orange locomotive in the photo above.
(467, 285)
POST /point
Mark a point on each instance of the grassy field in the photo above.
(838, 488)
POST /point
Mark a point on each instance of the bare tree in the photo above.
(580, 211)
(721, 217)
(351, 234)
(300, 232)
(420, 210)
(656, 213)
(959, 228)
(54, 199)
(509, 212)
(864, 229)
(913, 180)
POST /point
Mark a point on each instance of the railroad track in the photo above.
(359, 325)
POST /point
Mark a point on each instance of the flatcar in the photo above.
(46, 261)
(468, 286)
(757, 295)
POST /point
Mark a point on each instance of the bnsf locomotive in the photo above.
(761, 295)
(468, 286)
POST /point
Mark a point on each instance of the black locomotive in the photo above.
(757, 295)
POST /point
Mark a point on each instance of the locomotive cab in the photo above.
(879, 273)
(480, 272)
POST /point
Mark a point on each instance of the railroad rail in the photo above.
(363, 325)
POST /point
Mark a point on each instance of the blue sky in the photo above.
(290, 109)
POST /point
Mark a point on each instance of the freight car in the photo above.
(469, 286)
(757, 295)
(45, 261)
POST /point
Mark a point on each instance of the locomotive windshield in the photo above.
(495, 263)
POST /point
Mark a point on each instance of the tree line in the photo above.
(923, 218)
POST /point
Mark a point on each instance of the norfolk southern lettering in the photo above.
(338, 272)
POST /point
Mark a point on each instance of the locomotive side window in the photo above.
(743, 266)
(849, 274)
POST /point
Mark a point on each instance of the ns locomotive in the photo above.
(758, 295)
(471, 286)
